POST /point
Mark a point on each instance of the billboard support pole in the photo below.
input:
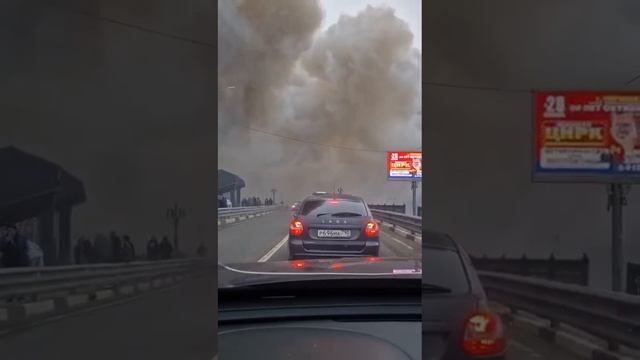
(617, 199)
(414, 186)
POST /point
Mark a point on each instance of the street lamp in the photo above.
(175, 214)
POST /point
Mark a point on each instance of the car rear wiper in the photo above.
(435, 289)
(340, 214)
(346, 214)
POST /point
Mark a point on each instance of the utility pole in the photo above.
(414, 186)
(617, 199)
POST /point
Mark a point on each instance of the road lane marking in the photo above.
(400, 242)
(268, 255)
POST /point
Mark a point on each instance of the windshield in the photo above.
(327, 207)
(445, 269)
(319, 146)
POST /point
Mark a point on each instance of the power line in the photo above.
(474, 87)
(131, 26)
(632, 80)
(310, 142)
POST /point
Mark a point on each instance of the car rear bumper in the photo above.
(297, 250)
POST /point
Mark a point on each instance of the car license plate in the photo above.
(334, 233)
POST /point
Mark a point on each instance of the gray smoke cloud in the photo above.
(355, 85)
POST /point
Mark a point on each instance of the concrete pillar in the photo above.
(47, 242)
(238, 199)
(64, 236)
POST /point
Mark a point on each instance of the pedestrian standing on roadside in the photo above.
(152, 248)
(165, 248)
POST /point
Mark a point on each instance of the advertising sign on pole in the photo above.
(404, 165)
(585, 136)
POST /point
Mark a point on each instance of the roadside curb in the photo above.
(407, 235)
(223, 222)
(20, 316)
(582, 345)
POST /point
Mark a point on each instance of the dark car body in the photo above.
(334, 225)
(446, 315)
(249, 274)
(317, 309)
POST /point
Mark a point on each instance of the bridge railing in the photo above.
(246, 210)
(27, 288)
(573, 271)
(398, 208)
(413, 224)
(614, 317)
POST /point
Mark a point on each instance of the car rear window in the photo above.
(443, 267)
(316, 207)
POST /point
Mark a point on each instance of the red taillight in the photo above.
(299, 264)
(483, 335)
(296, 228)
(371, 229)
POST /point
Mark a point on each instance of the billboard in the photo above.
(586, 136)
(404, 165)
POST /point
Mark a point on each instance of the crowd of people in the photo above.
(223, 202)
(256, 201)
(17, 249)
(119, 249)
(112, 249)
(159, 250)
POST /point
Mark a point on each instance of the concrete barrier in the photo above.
(38, 297)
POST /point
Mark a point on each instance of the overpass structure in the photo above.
(37, 189)
(230, 184)
(176, 320)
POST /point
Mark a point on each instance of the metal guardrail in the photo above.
(614, 317)
(21, 288)
(39, 281)
(572, 271)
(247, 210)
(408, 222)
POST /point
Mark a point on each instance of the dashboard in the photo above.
(322, 339)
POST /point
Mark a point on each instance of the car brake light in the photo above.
(296, 228)
(371, 229)
(483, 335)
(298, 264)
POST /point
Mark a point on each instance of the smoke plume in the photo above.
(355, 85)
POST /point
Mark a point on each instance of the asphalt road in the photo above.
(264, 239)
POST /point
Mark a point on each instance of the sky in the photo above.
(353, 83)
(407, 10)
(478, 184)
(131, 115)
(128, 112)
